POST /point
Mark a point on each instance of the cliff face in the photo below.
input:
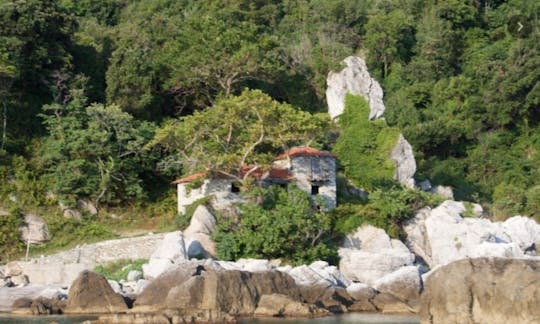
(355, 79)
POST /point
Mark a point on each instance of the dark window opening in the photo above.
(314, 190)
(235, 188)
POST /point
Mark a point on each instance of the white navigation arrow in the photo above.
(520, 26)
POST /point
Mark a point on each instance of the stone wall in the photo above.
(302, 170)
(220, 189)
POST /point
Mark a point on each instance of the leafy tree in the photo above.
(94, 151)
(389, 38)
(248, 129)
(11, 243)
(283, 225)
(36, 36)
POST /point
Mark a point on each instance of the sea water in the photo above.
(360, 318)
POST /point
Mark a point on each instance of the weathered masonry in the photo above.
(311, 170)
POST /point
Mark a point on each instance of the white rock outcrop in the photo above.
(369, 254)
(353, 79)
(443, 235)
(317, 274)
(34, 229)
(199, 244)
(403, 158)
(170, 250)
(404, 283)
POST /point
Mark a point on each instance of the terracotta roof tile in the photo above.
(280, 174)
(304, 151)
(190, 178)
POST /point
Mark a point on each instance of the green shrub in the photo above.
(386, 209)
(67, 233)
(11, 243)
(364, 146)
(119, 269)
(277, 223)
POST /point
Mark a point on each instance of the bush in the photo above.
(119, 269)
(283, 224)
(386, 209)
(11, 243)
(364, 146)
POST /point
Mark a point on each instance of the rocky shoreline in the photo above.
(478, 261)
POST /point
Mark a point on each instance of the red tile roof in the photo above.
(190, 178)
(258, 173)
(280, 174)
(304, 151)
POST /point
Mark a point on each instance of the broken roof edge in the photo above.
(304, 151)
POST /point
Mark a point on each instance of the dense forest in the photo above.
(99, 99)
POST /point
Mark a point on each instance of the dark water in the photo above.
(360, 318)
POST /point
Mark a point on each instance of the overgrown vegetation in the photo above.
(277, 223)
(119, 269)
(364, 146)
(386, 209)
(85, 85)
(11, 243)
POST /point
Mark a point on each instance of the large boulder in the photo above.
(277, 305)
(363, 296)
(370, 254)
(34, 229)
(197, 288)
(353, 79)
(12, 269)
(170, 250)
(319, 274)
(202, 221)
(404, 284)
(90, 293)
(199, 244)
(442, 235)
(484, 290)
(403, 158)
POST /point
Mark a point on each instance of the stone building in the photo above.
(311, 170)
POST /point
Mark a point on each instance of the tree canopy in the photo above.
(249, 129)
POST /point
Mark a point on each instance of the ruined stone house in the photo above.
(311, 170)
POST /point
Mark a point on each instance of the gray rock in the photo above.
(34, 229)
(444, 191)
(87, 206)
(155, 267)
(361, 291)
(254, 265)
(370, 254)
(141, 285)
(485, 290)
(404, 284)
(442, 235)
(424, 185)
(72, 214)
(134, 275)
(90, 293)
(200, 246)
(353, 79)
(171, 248)
(202, 222)
(403, 158)
(197, 235)
(115, 285)
(12, 269)
(278, 305)
(20, 280)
